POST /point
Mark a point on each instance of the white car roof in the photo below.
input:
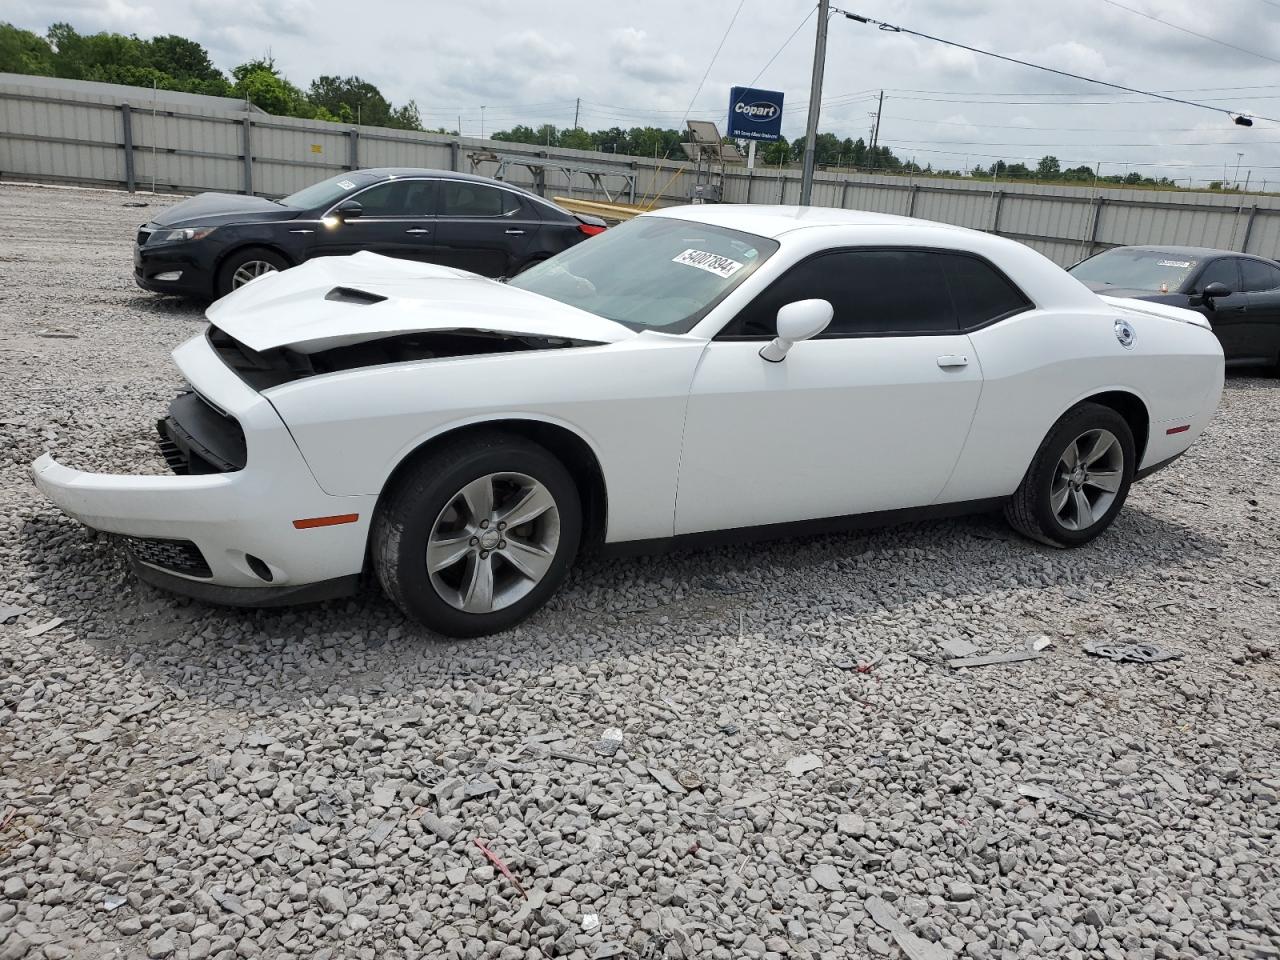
(769, 220)
(804, 230)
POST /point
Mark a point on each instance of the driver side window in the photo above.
(872, 293)
(398, 198)
(1220, 271)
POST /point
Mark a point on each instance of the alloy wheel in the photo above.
(493, 542)
(1086, 479)
(250, 270)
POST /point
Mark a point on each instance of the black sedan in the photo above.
(208, 245)
(1238, 293)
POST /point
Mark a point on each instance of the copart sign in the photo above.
(755, 114)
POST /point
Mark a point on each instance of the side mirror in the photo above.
(797, 321)
(347, 210)
(1215, 290)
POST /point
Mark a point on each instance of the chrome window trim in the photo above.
(497, 185)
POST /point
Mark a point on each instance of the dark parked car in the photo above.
(208, 245)
(1239, 293)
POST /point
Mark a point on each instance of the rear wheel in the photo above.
(248, 264)
(1079, 478)
(533, 262)
(478, 536)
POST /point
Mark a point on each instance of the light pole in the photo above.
(1239, 157)
(815, 101)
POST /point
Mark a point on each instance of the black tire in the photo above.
(239, 258)
(410, 508)
(1030, 511)
(531, 262)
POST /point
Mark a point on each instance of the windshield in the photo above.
(327, 191)
(1137, 270)
(651, 273)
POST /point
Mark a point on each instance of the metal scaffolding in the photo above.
(539, 165)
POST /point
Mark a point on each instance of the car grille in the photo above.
(180, 556)
(196, 438)
(144, 233)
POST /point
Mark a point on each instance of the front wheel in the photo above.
(1079, 478)
(478, 536)
(245, 265)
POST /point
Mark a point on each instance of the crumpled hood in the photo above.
(337, 301)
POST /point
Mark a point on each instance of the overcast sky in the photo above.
(635, 64)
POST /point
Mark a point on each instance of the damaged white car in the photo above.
(696, 374)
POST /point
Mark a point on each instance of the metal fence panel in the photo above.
(76, 133)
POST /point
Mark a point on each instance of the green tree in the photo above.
(1048, 168)
(406, 117)
(92, 56)
(259, 82)
(22, 51)
(517, 134)
(776, 154)
(361, 98)
(577, 139)
(188, 62)
(826, 149)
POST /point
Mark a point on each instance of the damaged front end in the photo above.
(264, 369)
(221, 527)
(305, 391)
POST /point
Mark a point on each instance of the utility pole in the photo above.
(875, 131)
(576, 107)
(482, 121)
(815, 101)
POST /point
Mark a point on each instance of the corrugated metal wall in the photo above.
(91, 138)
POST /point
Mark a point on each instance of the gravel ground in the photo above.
(799, 772)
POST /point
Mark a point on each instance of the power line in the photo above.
(1024, 93)
(1021, 126)
(790, 37)
(1202, 36)
(719, 47)
(1023, 143)
(888, 27)
(1176, 165)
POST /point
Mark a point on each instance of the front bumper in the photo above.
(194, 266)
(240, 523)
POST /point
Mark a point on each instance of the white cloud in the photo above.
(529, 63)
(636, 55)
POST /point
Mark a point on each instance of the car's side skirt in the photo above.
(1148, 471)
(799, 528)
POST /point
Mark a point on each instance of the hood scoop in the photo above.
(352, 295)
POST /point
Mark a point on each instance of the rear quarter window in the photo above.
(982, 294)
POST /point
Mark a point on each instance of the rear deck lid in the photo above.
(1163, 310)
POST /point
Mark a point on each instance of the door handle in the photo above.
(418, 230)
(953, 360)
(515, 231)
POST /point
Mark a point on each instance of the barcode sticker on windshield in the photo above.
(710, 262)
(346, 184)
(1184, 264)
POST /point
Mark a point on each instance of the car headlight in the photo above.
(182, 233)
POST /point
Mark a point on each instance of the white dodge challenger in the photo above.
(696, 374)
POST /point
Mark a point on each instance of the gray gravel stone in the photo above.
(294, 783)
